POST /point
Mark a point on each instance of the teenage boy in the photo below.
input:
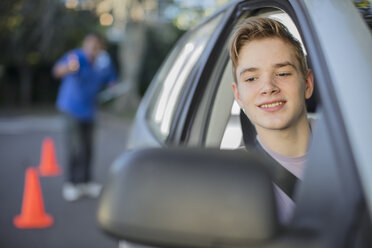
(84, 72)
(271, 83)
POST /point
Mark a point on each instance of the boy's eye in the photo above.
(251, 79)
(283, 74)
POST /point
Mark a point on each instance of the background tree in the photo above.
(33, 34)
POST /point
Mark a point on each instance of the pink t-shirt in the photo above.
(296, 166)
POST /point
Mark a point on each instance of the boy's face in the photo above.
(270, 88)
(92, 46)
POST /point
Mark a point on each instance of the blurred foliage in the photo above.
(364, 7)
(186, 14)
(40, 30)
(33, 34)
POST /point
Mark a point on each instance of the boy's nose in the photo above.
(269, 86)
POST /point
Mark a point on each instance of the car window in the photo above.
(173, 76)
(232, 135)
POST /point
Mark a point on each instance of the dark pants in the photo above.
(79, 140)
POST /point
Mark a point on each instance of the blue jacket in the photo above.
(78, 92)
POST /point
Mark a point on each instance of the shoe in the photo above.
(71, 192)
(91, 189)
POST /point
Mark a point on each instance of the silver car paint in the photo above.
(347, 46)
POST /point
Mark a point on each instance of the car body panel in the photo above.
(344, 61)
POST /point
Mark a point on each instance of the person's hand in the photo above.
(73, 64)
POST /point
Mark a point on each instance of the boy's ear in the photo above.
(236, 94)
(309, 84)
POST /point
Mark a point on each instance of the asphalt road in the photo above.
(75, 223)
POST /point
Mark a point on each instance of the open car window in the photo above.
(231, 137)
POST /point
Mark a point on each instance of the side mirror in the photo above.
(189, 197)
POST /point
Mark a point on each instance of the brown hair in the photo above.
(254, 28)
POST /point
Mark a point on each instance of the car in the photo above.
(183, 182)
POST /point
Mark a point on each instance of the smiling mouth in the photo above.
(271, 105)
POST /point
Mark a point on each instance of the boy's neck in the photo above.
(292, 141)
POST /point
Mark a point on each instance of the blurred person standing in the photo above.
(84, 72)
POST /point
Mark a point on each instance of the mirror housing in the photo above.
(189, 197)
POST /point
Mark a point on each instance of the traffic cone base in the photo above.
(42, 222)
(32, 213)
(48, 161)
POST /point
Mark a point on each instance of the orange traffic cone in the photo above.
(32, 214)
(48, 161)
